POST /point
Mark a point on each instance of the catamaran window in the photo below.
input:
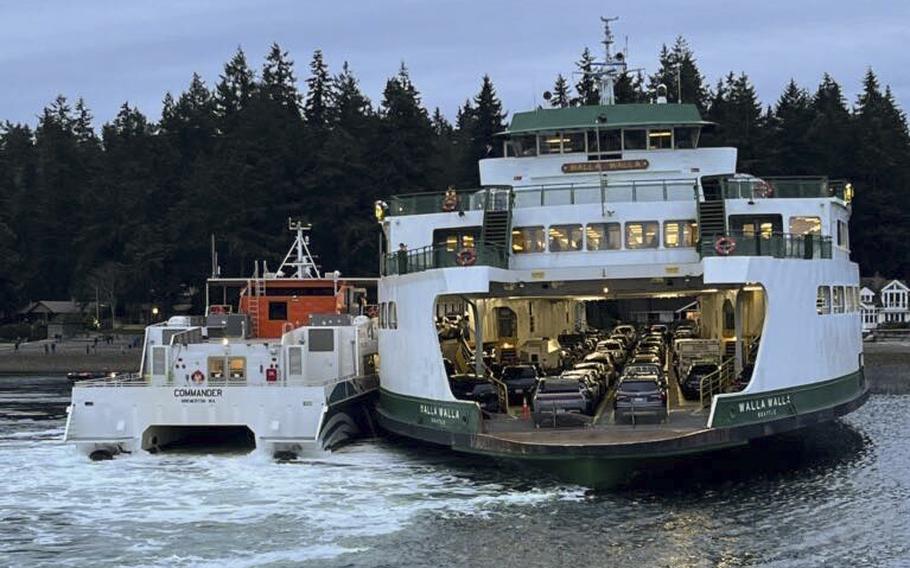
(823, 300)
(806, 225)
(565, 238)
(383, 315)
(660, 139)
(393, 315)
(679, 234)
(642, 234)
(634, 139)
(216, 368)
(237, 366)
(550, 143)
(528, 239)
(686, 137)
(522, 146)
(604, 236)
(843, 238)
(838, 299)
(278, 311)
(321, 340)
(573, 142)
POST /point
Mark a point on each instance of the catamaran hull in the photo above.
(588, 461)
(283, 421)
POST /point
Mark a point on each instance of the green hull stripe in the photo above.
(739, 410)
(451, 417)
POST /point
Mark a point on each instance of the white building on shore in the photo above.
(886, 304)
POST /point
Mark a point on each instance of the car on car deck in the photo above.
(690, 385)
(639, 395)
(556, 394)
(520, 380)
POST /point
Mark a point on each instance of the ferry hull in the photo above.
(586, 458)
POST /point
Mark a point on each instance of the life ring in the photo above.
(466, 257)
(198, 377)
(724, 246)
(450, 202)
(764, 189)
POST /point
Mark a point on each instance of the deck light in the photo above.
(224, 341)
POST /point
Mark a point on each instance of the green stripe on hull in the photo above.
(450, 417)
(743, 409)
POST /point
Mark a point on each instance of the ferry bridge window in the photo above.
(679, 234)
(838, 299)
(452, 240)
(565, 238)
(823, 300)
(843, 239)
(604, 236)
(605, 144)
(686, 137)
(278, 311)
(573, 142)
(660, 139)
(806, 225)
(550, 143)
(634, 139)
(528, 239)
(522, 146)
(757, 225)
(642, 234)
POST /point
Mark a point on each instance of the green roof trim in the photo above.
(605, 116)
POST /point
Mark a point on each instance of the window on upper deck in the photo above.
(565, 238)
(843, 236)
(528, 239)
(806, 225)
(679, 234)
(634, 139)
(686, 137)
(605, 144)
(522, 146)
(660, 139)
(642, 234)
(604, 236)
(573, 142)
(550, 143)
(823, 300)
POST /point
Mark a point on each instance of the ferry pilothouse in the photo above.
(282, 361)
(615, 295)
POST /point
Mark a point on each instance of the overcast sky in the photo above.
(111, 51)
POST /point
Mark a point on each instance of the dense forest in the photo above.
(127, 211)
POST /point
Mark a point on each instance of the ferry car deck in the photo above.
(604, 215)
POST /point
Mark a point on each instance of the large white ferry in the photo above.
(601, 215)
(284, 362)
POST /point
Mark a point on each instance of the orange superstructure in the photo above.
(277, 305)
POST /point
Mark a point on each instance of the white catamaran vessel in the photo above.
(608, 256)
(288, 368)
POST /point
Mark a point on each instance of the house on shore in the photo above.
(884, 302)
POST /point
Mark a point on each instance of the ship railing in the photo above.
(792, 187)
(716, 383)
(777, 245)
(544, 195)
(114, 380)
(137, 380)
(442, 256)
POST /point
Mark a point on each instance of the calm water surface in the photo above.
(838, 495)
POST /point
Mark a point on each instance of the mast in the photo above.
(610, 69)
(299, 261)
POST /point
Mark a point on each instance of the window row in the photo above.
(603, 144)
(837, 300)
(603, 236)
(388, 315)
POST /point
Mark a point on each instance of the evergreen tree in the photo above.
(560, 98)
(587, 89)
(629, 88)
(278, 81)
(789, 126)
(487, 121)
(315, 109)
(235, 89)
(830, 130)
(679, 72)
